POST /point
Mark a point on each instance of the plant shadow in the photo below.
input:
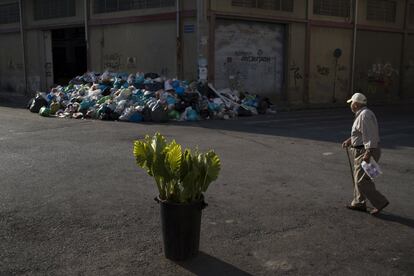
(395, 218)
(206, 265)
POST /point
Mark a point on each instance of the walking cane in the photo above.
(350, 165)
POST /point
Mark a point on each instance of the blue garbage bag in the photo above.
(192, 115)
(175, 83)
(85, 104)
(180, 91)
(136, 117)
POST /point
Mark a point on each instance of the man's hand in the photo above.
(367, 156)
(346, 143)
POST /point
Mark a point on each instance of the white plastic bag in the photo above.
(372, 168)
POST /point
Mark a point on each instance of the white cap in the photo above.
(358, 98)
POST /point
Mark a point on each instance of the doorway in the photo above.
(69, 54)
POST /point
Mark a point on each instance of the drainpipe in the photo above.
(23, 47)
(86, 13)
(402, 74)
(202, 41)
(306, 90)
(178, 41)
(354, 42)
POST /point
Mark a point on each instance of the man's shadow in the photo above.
(206, 265)
(395, 218)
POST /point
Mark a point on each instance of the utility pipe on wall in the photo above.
(354, 41)
(23, 47)
(177, 14)
(86, 13)
(178, 41)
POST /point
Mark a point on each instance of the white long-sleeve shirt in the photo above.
(365, 129)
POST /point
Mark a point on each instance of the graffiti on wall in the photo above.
(322, 70)
(112, 61)
(381, 75)
(13, 66)
(296, 73)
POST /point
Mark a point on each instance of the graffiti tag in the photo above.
(296, 72)
(112, 61)
(322, 70)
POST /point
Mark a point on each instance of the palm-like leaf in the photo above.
(173, 158)
(213, 166)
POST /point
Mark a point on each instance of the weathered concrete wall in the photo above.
(11, 63)
(408, 85)
(147, 47)
(145, 40)
(35, 61)
(296, 62)
(324, 86)
(250, 56)
(377, 65)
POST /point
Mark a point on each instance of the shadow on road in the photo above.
(395, 218)
(206, 265)
(328, 125)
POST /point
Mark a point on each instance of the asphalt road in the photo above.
(73, 202)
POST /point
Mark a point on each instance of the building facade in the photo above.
(298, 52)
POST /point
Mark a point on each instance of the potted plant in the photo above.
(181, 178)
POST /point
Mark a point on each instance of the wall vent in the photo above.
(9, 13)
(339, 8)
(381, 10)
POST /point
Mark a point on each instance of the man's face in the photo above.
(355, 106)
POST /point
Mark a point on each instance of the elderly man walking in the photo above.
(364, 142)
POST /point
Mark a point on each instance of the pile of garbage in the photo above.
(144, 97)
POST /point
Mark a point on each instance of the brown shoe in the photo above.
(376, 211)
(360, 208)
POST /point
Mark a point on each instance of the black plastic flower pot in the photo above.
(181, 228)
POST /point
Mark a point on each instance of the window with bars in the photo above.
(9, 13)
(339, 8)
(278, 5)
(47, 9)
(411, 14)
(103, 6)
(381, 10)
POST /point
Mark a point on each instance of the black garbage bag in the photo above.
(242, 111)
(106, 91)
(151, 75)
(263, 105)
(155, 86)
(114, 116)
(146, 114)
(37, 104)
(159, 114)
(190, 98)
(29, 104)
(180, 106)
